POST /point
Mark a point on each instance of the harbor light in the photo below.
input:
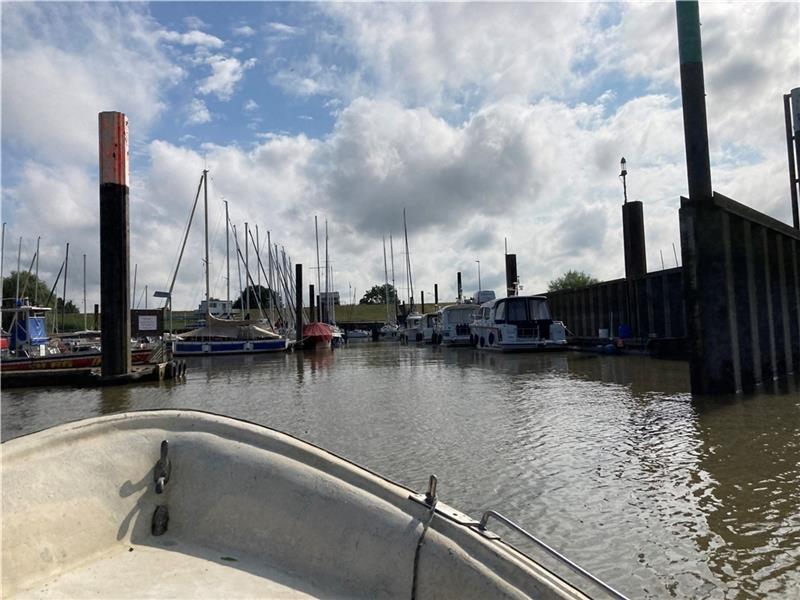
(623, 172)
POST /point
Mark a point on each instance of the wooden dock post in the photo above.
(114, 245)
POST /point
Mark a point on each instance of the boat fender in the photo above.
(160, 520)
(491, 338)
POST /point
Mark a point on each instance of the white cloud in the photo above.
(244, 31)
(250, 106)
(226, 73)
(58, 64)
(192, 38)
(197, 112)
(282, 29)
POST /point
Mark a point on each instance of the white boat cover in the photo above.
(234, 329)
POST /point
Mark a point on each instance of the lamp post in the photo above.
(479, 274)
(623, 173)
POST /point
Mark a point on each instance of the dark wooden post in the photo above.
(114, 245)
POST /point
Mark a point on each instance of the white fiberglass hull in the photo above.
(252, 513)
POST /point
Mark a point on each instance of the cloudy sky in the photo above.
(483, 121)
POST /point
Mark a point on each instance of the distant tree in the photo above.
(377, 294)
(571, 280)
(258, 294)
(30, 287)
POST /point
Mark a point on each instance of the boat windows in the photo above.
(500, 312)
(538, 309)
(515, 311)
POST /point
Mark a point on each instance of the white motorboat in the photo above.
(182, 504)
(412, 331)
(428, 327)
(517, 324)
(453, 325)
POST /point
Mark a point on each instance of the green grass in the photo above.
(184, 319)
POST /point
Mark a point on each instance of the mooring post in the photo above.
(460, 289)
(298, 291)
(633, 239)
(706, 241)
(114, 245)
(511, 274)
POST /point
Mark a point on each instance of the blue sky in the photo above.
(484, 121)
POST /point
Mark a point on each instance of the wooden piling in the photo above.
(114, 245)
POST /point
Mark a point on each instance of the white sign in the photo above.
(148, 323)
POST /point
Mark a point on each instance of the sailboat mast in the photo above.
(247, 266)
(205, 208)
(270, 280)
(394, 285)
(386, 277)
(227, 256)
(36, 285)
(327, 294)
(319, 284)
(408, 265)
(85, 325)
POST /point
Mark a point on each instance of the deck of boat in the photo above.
(173, 570)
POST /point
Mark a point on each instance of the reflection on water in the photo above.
(608, 458)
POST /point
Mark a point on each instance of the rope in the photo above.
(425, 526)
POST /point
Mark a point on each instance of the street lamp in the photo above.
(479, 274)
(623, 172)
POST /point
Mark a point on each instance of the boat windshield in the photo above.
(521, 310)
(538, 309)
(458, 315)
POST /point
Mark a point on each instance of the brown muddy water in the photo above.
(609, 459)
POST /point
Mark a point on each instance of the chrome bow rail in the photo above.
(552, 551)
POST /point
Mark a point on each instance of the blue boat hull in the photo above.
(205, 348)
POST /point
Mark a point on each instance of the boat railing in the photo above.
(552, 551)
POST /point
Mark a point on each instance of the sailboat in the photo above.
(389, 328)
(317, 334)
(224, 336)
(412, 331)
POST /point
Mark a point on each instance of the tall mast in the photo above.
(408, 264)
(205, 208)
(246, 266)
(36, 285)
(85, 325)
(386, 277)
(64, 297)
(2, 253)
(227, 256)
(270, 280)
(133, 291)
(327, 292)
(394, 285)
(316, 235)
(19, 258)
(258, 256)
